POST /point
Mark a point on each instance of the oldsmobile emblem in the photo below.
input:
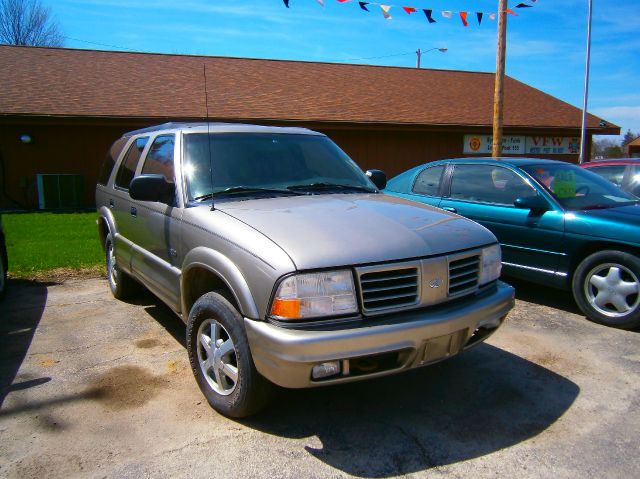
(435, 283)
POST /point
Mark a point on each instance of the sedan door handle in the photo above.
(111, 204)
(134, 211)
(450, 208)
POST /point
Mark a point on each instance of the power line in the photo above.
(102, 44)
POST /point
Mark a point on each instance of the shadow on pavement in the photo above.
(544, 296)
(480, 402)
(163, 315)
(20, 314)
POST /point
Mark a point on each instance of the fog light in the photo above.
(324, 370)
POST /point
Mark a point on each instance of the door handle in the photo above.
(450, 208)
(111, 204)
(134, 211)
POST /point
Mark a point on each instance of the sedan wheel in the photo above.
(606, 286)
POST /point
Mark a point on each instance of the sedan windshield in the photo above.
(578, 189)
(241, 164)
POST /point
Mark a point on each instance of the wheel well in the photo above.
(103, 230)
(591, 248)
(200, 281)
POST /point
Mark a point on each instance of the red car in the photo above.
(624, 172)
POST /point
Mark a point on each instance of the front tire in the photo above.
(606, 286)
(121, 284)
(221, 360)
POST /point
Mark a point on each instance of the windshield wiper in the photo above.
(603, 206)
(233, 190)
(330, 186)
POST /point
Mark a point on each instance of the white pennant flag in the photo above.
(385, 11)
(447, 14)
(321, 2)
(492, 16)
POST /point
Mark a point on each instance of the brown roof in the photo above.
(65, 82)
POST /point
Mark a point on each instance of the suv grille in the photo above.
(389, 289)
(463, 275)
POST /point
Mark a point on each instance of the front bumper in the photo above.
(398, 342)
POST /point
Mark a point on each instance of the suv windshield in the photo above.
(578, 189)
(261, 163)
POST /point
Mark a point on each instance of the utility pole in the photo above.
(418, 53)
(583, 133)
(498, 97)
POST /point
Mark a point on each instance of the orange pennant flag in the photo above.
(409, 10)
(463, 17)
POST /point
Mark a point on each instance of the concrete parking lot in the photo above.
(94, 387)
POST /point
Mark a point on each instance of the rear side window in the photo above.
(110, 161)
(428, 182)
(130, 162)
(160, 158)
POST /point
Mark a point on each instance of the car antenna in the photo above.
(206, 103)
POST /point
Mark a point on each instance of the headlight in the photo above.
(315, 294)
(491, 265)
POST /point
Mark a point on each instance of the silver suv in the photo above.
(287, 263)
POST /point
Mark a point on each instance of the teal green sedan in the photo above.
(558, 224)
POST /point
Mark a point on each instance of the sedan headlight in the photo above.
(491, 265)
(312, 295)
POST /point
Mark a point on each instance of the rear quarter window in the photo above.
(110, 161)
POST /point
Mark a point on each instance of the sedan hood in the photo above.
(319, 231)
(620, 223)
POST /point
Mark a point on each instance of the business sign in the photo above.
(523, 145)
(483, 144)
(552, 145)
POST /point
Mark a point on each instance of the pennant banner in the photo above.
(429, 12)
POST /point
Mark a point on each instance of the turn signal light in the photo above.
(286, 308)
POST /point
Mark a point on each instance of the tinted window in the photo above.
(110, 161)
(130, 162)
(488, 184)
(160, 158)
(613, 173)
(428, 182)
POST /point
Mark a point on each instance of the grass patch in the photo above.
(50, 243)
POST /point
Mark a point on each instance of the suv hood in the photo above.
(320, 231)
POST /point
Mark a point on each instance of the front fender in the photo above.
(223, 268)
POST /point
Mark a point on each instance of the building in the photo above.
(633, 148)
(60, 109)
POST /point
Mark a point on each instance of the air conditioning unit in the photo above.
(57, 192)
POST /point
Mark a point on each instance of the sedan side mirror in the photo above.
(536, 203)
(378, 177)
(152, 188)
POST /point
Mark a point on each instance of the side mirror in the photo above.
(378, 177)
(536, 203)
(152, 188)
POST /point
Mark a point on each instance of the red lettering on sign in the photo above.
(557, 141)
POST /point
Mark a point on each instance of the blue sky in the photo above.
(546, 44)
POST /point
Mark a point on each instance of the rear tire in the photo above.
(606, 286)
(221, 360)
(121, 284)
